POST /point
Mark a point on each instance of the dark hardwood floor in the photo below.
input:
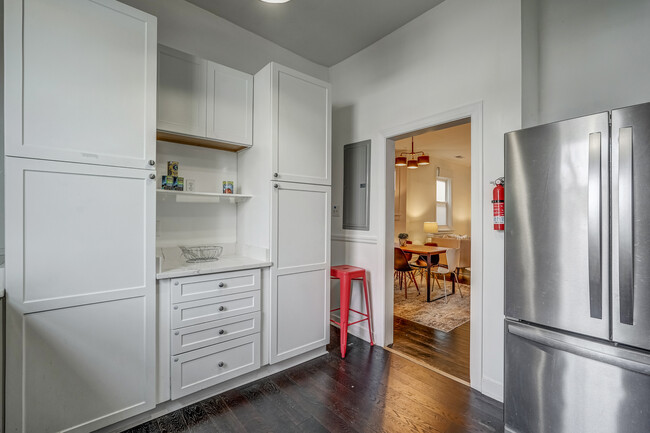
(448, 352)
(371, 390)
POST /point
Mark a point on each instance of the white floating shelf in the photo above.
(202, 197)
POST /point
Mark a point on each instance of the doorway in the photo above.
(467, 338)
(431, 319)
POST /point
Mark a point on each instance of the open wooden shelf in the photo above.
(202, 197)
(192, 140)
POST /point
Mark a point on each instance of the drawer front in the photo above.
(208, 286)
(202, 368)
(206, 310)
(218, 331)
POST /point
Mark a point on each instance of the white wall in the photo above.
(188, 28)
(458, 53)
(591, 55)
(421, 201)
(196, 223)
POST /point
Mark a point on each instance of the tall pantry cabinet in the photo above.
(288, 170)
(80, 123)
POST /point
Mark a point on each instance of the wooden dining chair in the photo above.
(403, 269)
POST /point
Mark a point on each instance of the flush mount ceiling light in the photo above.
(412, 159)
(275, 1)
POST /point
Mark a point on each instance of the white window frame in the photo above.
(449, 226)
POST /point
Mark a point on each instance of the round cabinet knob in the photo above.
(276, 186)
(222, 308)
(221, 364)
(221, 332)
(152, 176)
(275, 175)
(222, 284)
(152, 162)
(176, 283)
(175, 307)
(176, 333)
(175, 359)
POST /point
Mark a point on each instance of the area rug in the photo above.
(438, 314)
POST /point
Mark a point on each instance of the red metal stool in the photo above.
(346, 274)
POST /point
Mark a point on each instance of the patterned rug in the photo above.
(437, 314)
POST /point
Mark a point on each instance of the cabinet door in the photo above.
(301, 128)
(229, 105)
(80, 295)
(181, 92)
(300, 273)
(81, 82)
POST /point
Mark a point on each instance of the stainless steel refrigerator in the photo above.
(577, 275)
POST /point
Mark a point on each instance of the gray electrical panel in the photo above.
(356, 186)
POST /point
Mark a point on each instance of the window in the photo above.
(443, 203)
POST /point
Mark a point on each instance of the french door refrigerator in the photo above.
(577, 275)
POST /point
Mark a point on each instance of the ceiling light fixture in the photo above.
(275, 1)
(412, 159)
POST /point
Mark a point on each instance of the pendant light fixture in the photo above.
(411, 159)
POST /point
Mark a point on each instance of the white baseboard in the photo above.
(492, 389)
(173, 405)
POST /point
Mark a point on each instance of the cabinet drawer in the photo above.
(207, 286)
(218, 331)
(209, 366)
(206, 310)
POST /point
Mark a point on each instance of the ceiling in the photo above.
(446, 144)
(323, 31)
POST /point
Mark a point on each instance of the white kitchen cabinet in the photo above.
(300, 239)
(80, 295)
(301, 127)
(181, 92)
(81, 82)
(202, 102)
(201, 368)
(209, 330)
(229, 105)
(291, 139)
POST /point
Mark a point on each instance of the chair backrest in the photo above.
(401, 264)
(453, 256)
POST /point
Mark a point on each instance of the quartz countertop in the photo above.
(176, 266)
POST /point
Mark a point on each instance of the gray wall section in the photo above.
(583, 56)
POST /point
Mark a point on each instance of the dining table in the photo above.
(428, 251)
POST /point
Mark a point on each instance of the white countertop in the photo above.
(177, 267)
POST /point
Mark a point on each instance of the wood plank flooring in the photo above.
(371, 390)
(445, 351)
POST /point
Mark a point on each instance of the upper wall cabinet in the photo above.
(83, 94)
(301, 127)
(204, 103)
(181, 92)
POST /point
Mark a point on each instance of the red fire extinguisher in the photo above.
(498, 204)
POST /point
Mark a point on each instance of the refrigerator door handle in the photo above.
(626, 227)
(545, 338)
(594, 227)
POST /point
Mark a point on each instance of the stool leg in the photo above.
(365, 294)
(345, 312)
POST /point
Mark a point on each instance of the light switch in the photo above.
(336, 211)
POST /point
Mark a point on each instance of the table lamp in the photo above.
(430, 228)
